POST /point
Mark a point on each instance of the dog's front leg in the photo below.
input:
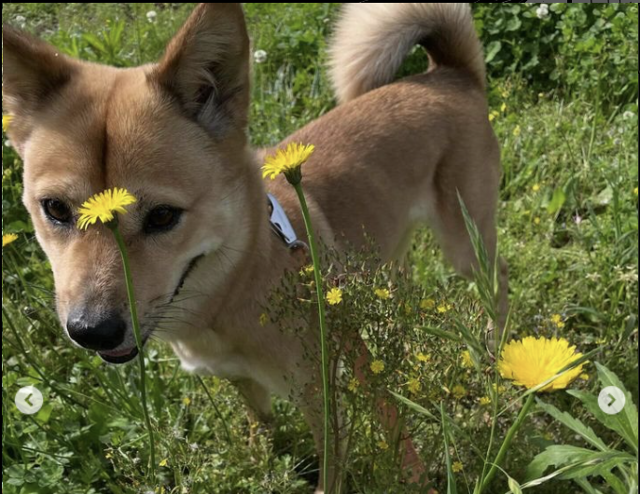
(258, 400)
(414, 469)
(310, 403)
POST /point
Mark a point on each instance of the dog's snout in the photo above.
(100, 333)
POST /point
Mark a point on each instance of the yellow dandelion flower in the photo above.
(264, 319)
(535, 187)
(383, 445)
(103, 207)
(423, 357)
(164, 463)
(377, 366)
(493, 115)
(8, 238)
(414, 386)
(353, 385)
(517, 131)
(537, 220)
(584, 376)
(287, 161)
(382, 293)
(484, 401)
(6, 121)
(557, 320)
(306, 270)
(532, 361)
(458, 391)
(186, 401)
(427, 304)
(503, 107)
(442, 308)
(498, 389)
(467, 361)
(457, 467)
(334, 297)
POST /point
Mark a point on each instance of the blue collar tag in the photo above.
(281, 225)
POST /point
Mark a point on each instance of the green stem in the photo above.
(323, 333)
(139, 344)
(507, 441)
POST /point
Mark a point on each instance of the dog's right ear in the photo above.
(206, 67)
(33, 71)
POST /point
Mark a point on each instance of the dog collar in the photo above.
(281, 225)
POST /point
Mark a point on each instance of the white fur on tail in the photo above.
(372, 40)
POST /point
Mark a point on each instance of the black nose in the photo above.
(96, 332)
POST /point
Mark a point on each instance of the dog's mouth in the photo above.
(119, 356)
(124, 355)
(190, 267)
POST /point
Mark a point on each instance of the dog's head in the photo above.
(173, 134)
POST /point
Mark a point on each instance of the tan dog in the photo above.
(203, 255)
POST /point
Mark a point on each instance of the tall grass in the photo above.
(568, 228)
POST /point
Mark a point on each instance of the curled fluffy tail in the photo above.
(372, 40)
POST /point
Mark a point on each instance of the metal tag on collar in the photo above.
(281, 225)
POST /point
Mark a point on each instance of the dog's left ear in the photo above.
(206, 66)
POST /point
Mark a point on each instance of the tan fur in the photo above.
(371, 40)
(391, 157)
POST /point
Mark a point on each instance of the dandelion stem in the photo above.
(139, 344)
(323, 334)
(507, 442)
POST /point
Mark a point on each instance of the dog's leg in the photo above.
(309, 401)
(413, 468)
(258, 401)
(456, 244)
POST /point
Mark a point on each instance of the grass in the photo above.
(568, 228)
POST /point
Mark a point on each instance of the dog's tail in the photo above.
(372, 40)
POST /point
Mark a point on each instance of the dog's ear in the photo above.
(206, 66)
(34, 71)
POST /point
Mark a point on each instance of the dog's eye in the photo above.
(57, 211)
(162, 219)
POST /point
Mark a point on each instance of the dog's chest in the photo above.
(210, 354)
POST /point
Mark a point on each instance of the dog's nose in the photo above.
(100, 333)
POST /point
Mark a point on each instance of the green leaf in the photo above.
(557, 455)
(514, 487)
(493, 49)
(574, 424)
(557, 201)
(610, 421)
(586, 486)
(414, 406)
(628, 417)
(583, 462)
(514, 24)
(598, 464)
(95, 42)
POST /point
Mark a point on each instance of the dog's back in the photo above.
(393, 155)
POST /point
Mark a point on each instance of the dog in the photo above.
(389, 157)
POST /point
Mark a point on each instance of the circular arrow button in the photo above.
(29, 400)
(611, 400)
